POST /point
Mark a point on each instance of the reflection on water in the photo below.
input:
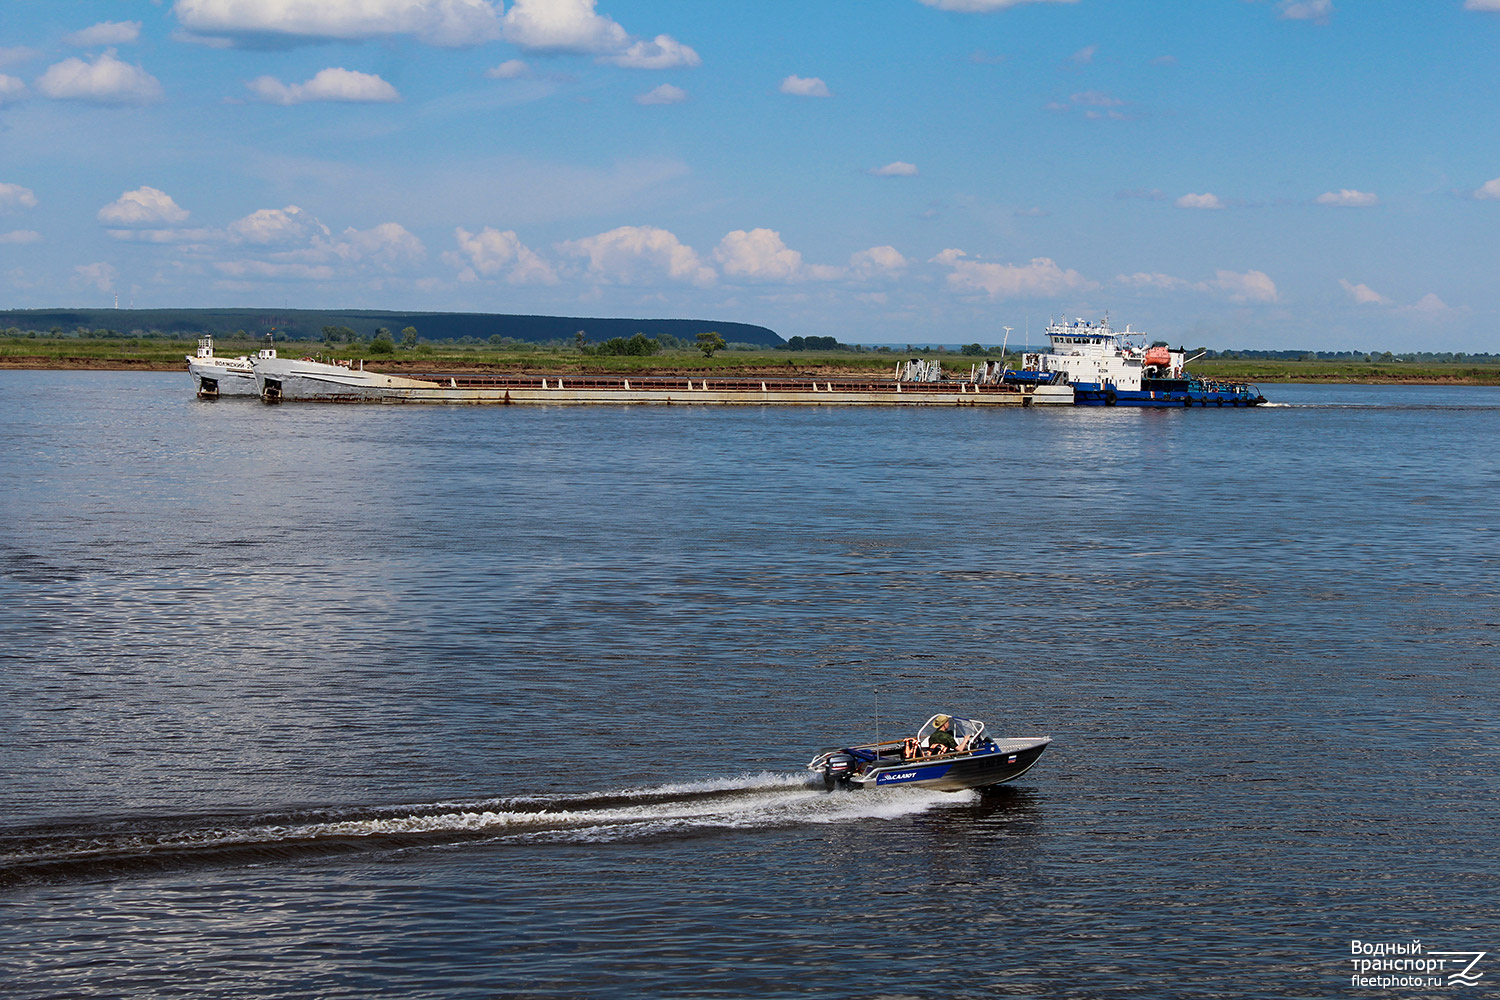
(354, 701)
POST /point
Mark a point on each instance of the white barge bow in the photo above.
(215, 376)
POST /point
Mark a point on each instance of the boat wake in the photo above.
(68, 852)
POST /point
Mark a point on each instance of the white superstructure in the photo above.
(1094, 355)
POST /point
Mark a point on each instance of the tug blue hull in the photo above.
(1193, 394)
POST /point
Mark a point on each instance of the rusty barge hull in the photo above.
(370, 387)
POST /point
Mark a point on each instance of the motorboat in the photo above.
(925, 761)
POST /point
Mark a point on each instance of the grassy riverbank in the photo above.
(149, 354)
(1366, 372)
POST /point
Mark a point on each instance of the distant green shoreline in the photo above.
(309, 325)
(168, 355)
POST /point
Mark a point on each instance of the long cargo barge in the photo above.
(297, 380)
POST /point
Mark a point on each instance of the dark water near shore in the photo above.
(409, 702)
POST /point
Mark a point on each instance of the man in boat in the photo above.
(945, 728)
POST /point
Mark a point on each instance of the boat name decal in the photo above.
(920, 774)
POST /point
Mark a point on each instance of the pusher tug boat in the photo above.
(1110, 368)
(977, 761)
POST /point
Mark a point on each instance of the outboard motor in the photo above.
(837, 768)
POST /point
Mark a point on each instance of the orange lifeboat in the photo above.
(1158, 356)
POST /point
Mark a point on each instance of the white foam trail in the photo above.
(760, 800)
(784, 779)
(788, 805)
(813, 806)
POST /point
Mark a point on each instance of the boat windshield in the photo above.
(971, 729)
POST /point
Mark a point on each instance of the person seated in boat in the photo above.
(953, 735)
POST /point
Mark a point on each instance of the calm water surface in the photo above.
(482, 702)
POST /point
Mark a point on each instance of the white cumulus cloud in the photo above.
(1347, 198)
(388, 246)
(563, 26)
(277, 226)
(1491, 189)
(17, 237)
(805, 86)
(576, 26)
(511, 69)
(332, 84)
(1252, 286)
(1041, 278)
(1430, 305)
(1199, 201)
(664, 94)
(493, 253)
(145, 206)
(106, 33)
(11, 88)
(1363, 294)
(1481, 4)
(897, 169)
(758, 254)
(250, 22)
(877, 262)
(14, 196)
(662, 52)
(290, 244)
(106, 80)
(640, 255)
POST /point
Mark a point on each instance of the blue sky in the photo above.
(1275, 174)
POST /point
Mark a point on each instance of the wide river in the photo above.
(382, 701)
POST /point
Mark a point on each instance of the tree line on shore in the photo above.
(311, 324)
(383, 342)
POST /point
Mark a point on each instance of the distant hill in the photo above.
(307, 324)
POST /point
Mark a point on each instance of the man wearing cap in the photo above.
(942, 735)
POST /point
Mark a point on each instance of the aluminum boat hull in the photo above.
(992, 763)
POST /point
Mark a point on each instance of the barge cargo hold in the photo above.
(294, 380)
